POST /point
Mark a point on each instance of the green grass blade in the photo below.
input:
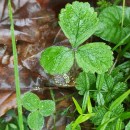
(78, 108)
(16, 71)
(119, 100)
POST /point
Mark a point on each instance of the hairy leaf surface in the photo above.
(84, 81)
(47, 107)
(112, 88)
(30, 101)
(99, 113)
(78, 21)
(35, 120)
(57, 60)
(94, 57)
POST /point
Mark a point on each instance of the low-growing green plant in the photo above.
(78, 22)
(103, 90)
(38, 108)
(107, 89)
(82, 116)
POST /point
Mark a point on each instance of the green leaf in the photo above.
(78, 22)
(104, 125)
(13, 126)
(127, 55)
(119, 124)
(82, 118)
(7, 127)
(100, 81)
(106, 117)
(100, 99)
(89, 105)
(47, 107)
(85, 101)
(94, 57)
(57, 60)
(110, 28)
(127, 126)
(113, 124)
(125, 115)
(110, 119)
(119, 100)
(69, 127)
(84, 81)
(110, 88)
(124, 65)
(30, 101)
(78, 108)
(116, 112)
(35, 120)
(99, 113)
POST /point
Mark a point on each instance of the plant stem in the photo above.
(16, 71)
(114, 65)
(54, 115)
(123, 13)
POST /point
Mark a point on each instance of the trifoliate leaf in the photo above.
(47, 107)
(94, 57)
(78, 22)
(84, 81)
(110, 27)
(30, 101)
(35, 120)
(57, 60)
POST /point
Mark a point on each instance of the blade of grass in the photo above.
(16, 71)
(121, 42)
(123, 13)
(78, 108)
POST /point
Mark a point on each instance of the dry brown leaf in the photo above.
(7, 101)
